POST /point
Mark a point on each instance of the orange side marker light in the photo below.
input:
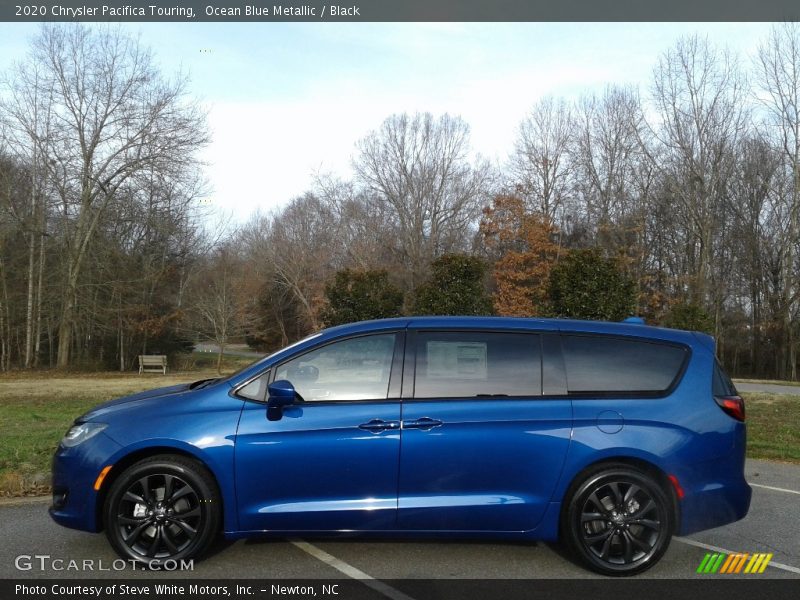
(99, 481)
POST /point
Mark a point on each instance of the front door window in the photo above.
(353, 369)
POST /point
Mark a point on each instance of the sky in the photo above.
(288, 100)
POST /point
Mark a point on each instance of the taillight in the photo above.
(732, 405)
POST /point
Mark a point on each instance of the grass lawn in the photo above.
(36, 410)
(773, 426)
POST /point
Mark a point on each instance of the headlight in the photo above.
(78, 434)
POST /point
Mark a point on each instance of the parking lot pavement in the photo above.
(773, 523)
(773, 526)
(762, 473)
(772, 388)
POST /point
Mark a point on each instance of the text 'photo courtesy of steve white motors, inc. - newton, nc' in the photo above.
(171, 590)
(188, 12)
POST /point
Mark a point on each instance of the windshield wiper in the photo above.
(198, 385)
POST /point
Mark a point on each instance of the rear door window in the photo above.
(465, 364)
(610, 365)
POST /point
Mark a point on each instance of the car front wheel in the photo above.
(619, 521)
(162, 508)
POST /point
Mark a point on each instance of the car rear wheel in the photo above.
(162, 508)
(619, 521)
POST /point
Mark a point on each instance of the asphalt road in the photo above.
(773, 525)
(232, 350)
(772, 388)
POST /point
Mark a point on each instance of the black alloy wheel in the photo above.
(619, 521)
(162, 508)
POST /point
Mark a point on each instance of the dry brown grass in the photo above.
(91, 384)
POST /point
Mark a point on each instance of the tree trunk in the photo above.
(66, 326)
(83, 236)
(29, 305)
(50, 343)
(5, 331)
(121, 349)
(37, 338)
(790, 363)
(219, 358)
(755, 332)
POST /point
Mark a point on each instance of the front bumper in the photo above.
(74, 473)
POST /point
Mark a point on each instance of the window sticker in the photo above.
(461, 360)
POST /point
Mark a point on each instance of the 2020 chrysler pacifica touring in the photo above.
(609, 436)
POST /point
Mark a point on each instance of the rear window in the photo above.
(722, 384)
(469, 364)
(607, 365)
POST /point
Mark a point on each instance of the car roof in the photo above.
(485, 323)
(512, 323)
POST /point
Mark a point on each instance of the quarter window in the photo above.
(722, 384)
(598, 364)
(470, 364)
(256, 389)
(352, 369)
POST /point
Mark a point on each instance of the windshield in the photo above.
(267, 358)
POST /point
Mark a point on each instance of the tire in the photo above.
(162, 508)
(618, 520)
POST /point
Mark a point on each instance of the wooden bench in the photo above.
(152, 362)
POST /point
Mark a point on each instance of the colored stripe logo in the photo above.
(738, 562)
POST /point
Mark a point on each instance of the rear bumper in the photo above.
(717, 503)
(716, 492)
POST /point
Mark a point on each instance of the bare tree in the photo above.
(26, 109)
(778, 79)
(8, 189)
(139, 265)
(364, 226)
(540, 161)
(215, 306)
(605, 153)
(112, 116)
(303, 247)
(754, 191)
(419, 165)
(699, 95)
(293, 251)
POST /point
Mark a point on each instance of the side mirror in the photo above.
(281, 393)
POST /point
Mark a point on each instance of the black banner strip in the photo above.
(414, 589)
(399, 10)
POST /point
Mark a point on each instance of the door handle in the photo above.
(423, 423)
(378, 425)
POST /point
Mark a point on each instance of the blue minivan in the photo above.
(611, 437)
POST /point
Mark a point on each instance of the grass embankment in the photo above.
(773, 426)
(37, 408)
(35, 411)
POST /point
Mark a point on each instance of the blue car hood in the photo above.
(147, 396)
